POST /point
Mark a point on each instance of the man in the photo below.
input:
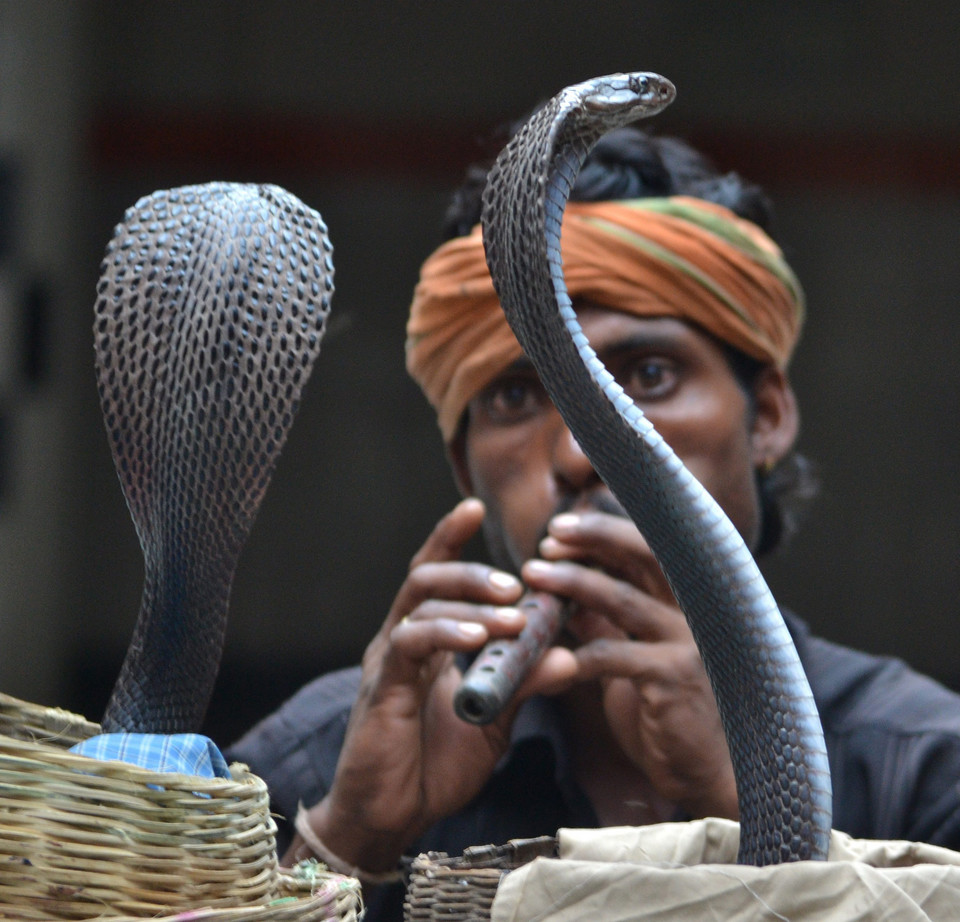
(691, 306)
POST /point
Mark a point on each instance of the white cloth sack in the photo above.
(687, 871)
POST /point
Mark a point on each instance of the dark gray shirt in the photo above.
(893, 738)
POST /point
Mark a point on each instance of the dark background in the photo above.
(369, 111)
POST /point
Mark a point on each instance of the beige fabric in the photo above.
(685, 871)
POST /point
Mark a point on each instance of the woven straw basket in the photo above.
(81, 838)
(461, 889)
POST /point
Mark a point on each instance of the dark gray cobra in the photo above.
(768, 713)
(210, 309)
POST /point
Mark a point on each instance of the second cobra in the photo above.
(769, 716)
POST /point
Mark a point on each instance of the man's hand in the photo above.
(407, 760)
(635, 641)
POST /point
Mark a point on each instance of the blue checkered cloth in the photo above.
(184, 753)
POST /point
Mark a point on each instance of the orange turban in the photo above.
(653, 257)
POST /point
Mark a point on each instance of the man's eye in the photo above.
(648, 378)
(512, 399)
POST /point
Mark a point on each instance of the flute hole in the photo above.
(472, 709)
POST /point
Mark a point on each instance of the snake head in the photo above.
(639, 93)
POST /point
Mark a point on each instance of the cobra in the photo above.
(769, 717)
(211, 305)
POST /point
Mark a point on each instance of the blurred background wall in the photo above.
(369, 111)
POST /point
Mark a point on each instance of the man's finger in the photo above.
(451, 533)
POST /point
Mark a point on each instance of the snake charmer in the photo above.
(691, 306)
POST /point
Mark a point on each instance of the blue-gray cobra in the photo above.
(210, 308)
(768, 712)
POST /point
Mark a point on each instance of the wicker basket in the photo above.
(25, 721)
(461, 889)
(307, 894)
(81, 838)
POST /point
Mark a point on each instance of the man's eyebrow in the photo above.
(519, 365)
(643, 342)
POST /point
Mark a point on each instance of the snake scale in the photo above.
(210, 308)
(768, 713)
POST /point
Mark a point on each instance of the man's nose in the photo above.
(571, 468)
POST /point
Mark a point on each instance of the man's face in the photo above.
(518, 456)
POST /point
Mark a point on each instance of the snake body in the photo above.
(210, 308)
(768, 713)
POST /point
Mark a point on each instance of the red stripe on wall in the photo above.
(868, 160)
(242, 142)
(121, 139)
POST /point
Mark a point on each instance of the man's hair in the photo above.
(630, 163)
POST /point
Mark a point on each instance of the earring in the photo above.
(767, 465)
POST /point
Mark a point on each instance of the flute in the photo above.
(495, 675)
